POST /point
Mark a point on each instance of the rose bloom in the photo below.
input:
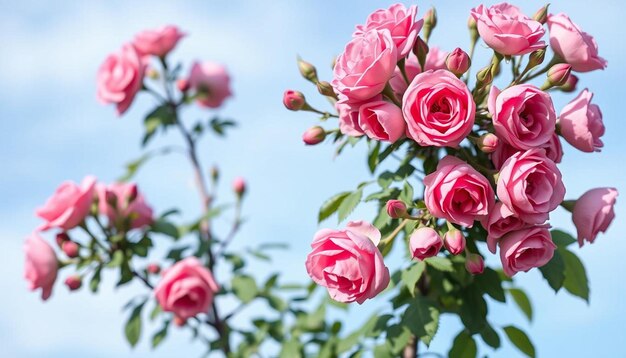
(211, 82)
(525, 249)
(523, 115)
(581, 123)
(399, 21)
(438, 108)
(425, 242)
(435, 60)
(507, 30)
(500, 222)
(458, 193)
(454, 241)
(382, 120)
(158, 42)
(348, 117)
(348, 263)
(68, 206)
(552, 148)
(575, 46)
(40, 266)
(367, 63)
(123, 205)
(186, 289)
(593, 213)
(530, 185)
(120, 77)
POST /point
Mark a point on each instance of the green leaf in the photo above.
(331, 205)
(164, 227)
(412, 275)
(219, 126)
(126, 275)
(133, 326)
(372, 159)
(398, 336)
(430, 164)
(177, 253)
(133, 166)
(349, 204)
(161, 116)
(490, 336)
(155, 312)
(561, 238)
(554, 271)
(490, 283)
(422, 319)
(159, 336)
(385, 179)
(575, 275)
(406, 194)
(291, 349)
(277, 303)
(440, 263)
(95, 279)
(520, 340)
(522, 301)
(473, 310)
(244, 288)
(463, 346)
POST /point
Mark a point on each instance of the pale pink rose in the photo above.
(439, 109)
(211, 82)
(40, 267)
(68, 206)
(454, 241)
(120, 77)
(507, 30)
(523, 115)
(399, 21)
(530, 185)
(367, 63)
(124, 206)
(525, 249)
(435, 60)
(457, 192)
(500, 222)
(158, 42)
(581, 123)
(593, 213)
(348, 263)
(424, 243)
(348, 118)
(186, 289)
(382, 120)
(572, 44)
(239, 185)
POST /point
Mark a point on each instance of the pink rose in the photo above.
(120, 77)
(435, 60)
(425, 242)
(367, 63)
(211, 82)
(501, 154)
(457, 192)
(381, 120)
(593, 213)
(500, 222)
(123, 205)
(581, 123)
(523, 115)
(553, 149)
(186, 289)
(507, 30)
(439, 109)
(399, 21)
(348, 118)
(525, 249)
(68, 206)
(572, 44)
(474, 264)
(530, 185)
(314, 135)
(458, 61)
(158, 42)
(40, 267)
(454, 241)
(348, 263)
(396, 209)
(239, 186)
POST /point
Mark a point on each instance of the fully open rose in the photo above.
(211, 82)
(572, 44)
(501, 221)
(69, 205)
(158, 42)
(581, 123)
(381, 120)
(120, 78)
(124, 206)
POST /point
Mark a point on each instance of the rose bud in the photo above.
(293, 100)
(473, 29)
(153, 268)
(420, 49)
(593, 213)
(326, 89)
(558, 74)
(458, 62)
(454, 241)
(536, 58)
(61, 238)
(215, 173)
(70, 248)
(152, 73)
(73, 282)
(396, 209)
(488, 143)
(541, 15)
(179, 322)
(314, 135)
(307, 70)
(430, 21)
(132, 193)
(484, 76)
(425, 242)
(474, 264)
(182, 85)
(239, 186)
(570, 84)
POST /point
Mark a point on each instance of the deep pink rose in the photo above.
(457, 192)
(454, 241)
(186, 289)
(211, 82)
(68, 206)
(458, 61)
(120, 77)
(438, 108)
(158, 42)
(530, 185)
(399, 21)
(367, 63)
(348, 263)
(572, 44)
(523, 115)
(581, 123)
(507, 30)
(501, 154)
(500, 222)
(123, 205)
(525, 249)
(396, 209)
(593, 213)
(40, 267)
(424, 243)
(381, 120)
(435, 60)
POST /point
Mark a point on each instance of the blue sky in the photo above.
(53, 129)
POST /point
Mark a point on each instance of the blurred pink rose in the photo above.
(593, 213)
(68, 206)
(158, 42)
(438, 109)
(507, 30)
(239, 185)
(186, 289)
(40, 267)
(211, 82)
(458, 193)
(435, 60)
(581, 123)
(425, 242)
(572, 44)
(525, 249)
(381, 120)
(474, 264)
(348, 263)
(120, 77)
(500, 222)
(123, 205)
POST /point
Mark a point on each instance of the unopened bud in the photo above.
(454, 241)
(239, 186)
(183, 85)
(559, 73)
(132, 195)
(474, 263)
(307, 70)
(396, 209)
(570, 84)
(488, 143)
(473, 29)
(485, 76)
(110, 198)
(179, 321)
(430, 22)
(293, 100)
(536, 58)
(324, 88)
(420, 49)
(215, 173)
(458, 62)
(73, 282)
(541, 15)
(152, 73)
(61, 238)
(314, 135)
(153, 268)
(70, 248)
